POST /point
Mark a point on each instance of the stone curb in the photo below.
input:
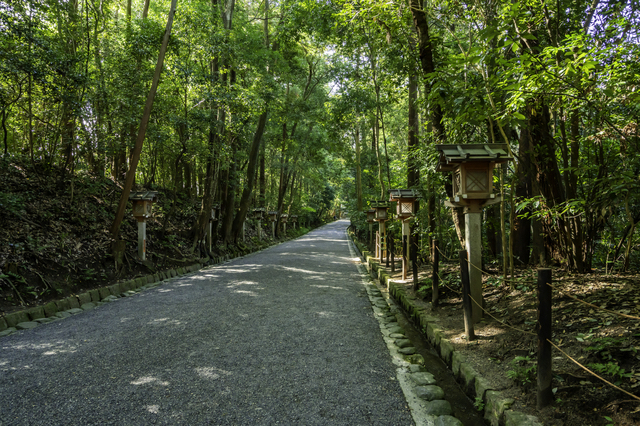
(426, 400)
(9, 323)
(496, 407)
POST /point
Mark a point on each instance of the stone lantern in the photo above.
(215, 213)
(284, 218)
(273, 217)
(471, 167)
(381, 217)
(142, 203)
(371, 215)
(405, 200)
(258, 214)
(294, 220)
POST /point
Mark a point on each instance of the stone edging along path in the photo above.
(30, 318)
(424, 397)
(496, 406)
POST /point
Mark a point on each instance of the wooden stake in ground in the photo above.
(466, 296)
(435, 277)
(545, 393)
(414, 260)
(142, 130)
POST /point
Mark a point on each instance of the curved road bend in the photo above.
(284, 336)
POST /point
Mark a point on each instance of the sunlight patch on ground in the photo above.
(304, 271)
(125, 319)
(54, 348)
(149, 380)
(60, 351)
(36, 347)
(165, 290)
(324, 314)
(327, 286)
(318, 278)
(211, 372)
(153, 409)
(209, 275)
(245, 268)
(233, 284)
(203, 277)
(250, 293)
(164, 321)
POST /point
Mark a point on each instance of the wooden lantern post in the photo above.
(142, 203)
(371, 215)
(273, 217)
(405, 200)
(381, 217)
(213, 218)
(294, 220)
(284, 218)
(258, 214)
(471, 167)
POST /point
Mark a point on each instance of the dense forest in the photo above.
(311, 107)
(317, 108)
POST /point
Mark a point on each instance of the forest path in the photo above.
(286, 335)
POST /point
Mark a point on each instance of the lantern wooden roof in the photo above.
(143, 196)
(379, 204)
(403, 194)
(451, 156)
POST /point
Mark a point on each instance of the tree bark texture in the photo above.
(245, 201)
(142, 131)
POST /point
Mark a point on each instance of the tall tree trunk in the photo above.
(549, 182)
(376, 136)
(521, 226)
(359, 202)
(262, 198)
(425, 48)
(145, 10)
(251, 177)
(413, 168)
(229, 202)
(142, 131)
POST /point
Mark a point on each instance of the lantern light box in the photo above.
(381, 210)
(284, 218)
(215, 209)
(273, 216)
(258, 213)
(142, 202)
(472, 170)
(405, 201)
(371, 215)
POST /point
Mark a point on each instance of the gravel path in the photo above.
(284, 336)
